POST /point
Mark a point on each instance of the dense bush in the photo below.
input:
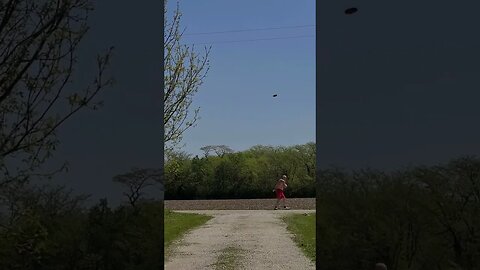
(98, 238)
(248, 174)
(419, 218)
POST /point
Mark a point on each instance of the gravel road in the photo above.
(260, 236)
(243, 204)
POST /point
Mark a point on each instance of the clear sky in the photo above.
(236, 104)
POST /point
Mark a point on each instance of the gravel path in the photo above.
(260, 234)
(242, 204)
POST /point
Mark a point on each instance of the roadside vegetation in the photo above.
(303, 228)
(222, 173)
(230, 258)
(177, 224)
(423, 217)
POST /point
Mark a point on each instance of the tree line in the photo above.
(221, 173)
(424, 217)
(54, 230)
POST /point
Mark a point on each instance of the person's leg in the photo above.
(276, 204)
(285, 203)
(277, 195)
(281, 197)
(284, 198)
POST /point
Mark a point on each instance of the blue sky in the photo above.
(237, 107)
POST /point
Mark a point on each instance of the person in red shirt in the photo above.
(279, 192)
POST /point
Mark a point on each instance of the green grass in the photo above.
(303, 227)
(177, 224)
(229, 259)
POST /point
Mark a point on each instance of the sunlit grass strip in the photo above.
(303, 227)
(177, 224)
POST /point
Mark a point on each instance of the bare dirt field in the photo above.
(239, 239)
(239, 204)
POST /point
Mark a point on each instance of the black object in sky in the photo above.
(275, 95)
(351, 10)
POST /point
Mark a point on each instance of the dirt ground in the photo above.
(259, 239)
(244, 204)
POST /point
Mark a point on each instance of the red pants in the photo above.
(280, 194)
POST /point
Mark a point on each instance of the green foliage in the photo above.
(230, 258)
(418, 218)
(184, 72)
(248, 174)
(101, 238)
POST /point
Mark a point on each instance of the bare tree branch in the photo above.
(136, 181)
(38, 44)
(185, 70)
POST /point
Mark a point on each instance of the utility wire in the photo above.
(250, 40)
(250, 30)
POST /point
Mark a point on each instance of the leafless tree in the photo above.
(220, 150)
(136, 181)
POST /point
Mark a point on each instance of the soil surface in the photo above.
(259, 236)
(243, 204)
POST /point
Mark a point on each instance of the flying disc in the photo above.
(350, 11)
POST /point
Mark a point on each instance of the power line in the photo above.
(251, 30)
(251, 40)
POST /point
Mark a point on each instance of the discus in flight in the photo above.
(350, 11)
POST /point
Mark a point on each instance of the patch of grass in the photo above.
(177, 224)
(303, 227)
(229, 259)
